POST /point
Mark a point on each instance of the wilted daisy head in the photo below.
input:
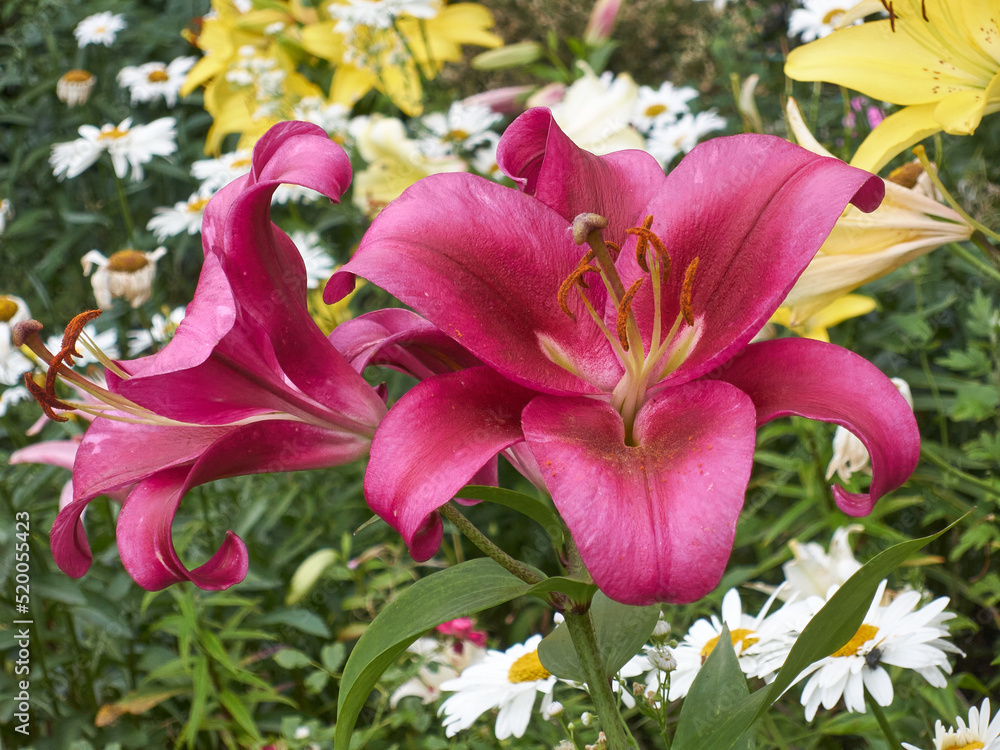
(128, 274)
(74, 86)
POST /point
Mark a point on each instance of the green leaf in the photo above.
(535, 509)
(332, 657)
(719, 685)
(581, 592)
(239, 713)
(458, 591)
(300, 619)
(290, 658)
(621, 631)
(833, 626)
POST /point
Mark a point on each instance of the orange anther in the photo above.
(623, 310)
(46, 400)
(686, 308)
(573, 279)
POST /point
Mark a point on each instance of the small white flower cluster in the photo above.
(608, 113)
(366, 28)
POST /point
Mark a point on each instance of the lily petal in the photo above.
(895, 134)
(455, 423)
(400, 339)
(546, 164)
(495, 280)
(826, 382)
(754, 233)
(654, 521)
(146, 518)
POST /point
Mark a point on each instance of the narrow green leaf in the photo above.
(833, 626)
(531, 507)
(239, 713)
(621, 631)
(458, 591)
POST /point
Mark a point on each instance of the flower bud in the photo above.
(308, 573)
(601, 21)
(508, 56)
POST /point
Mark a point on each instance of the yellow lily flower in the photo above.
(939, 59)
(863, 247)
(391, 55)
(816, 325)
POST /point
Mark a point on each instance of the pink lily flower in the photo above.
(248, 384)
(626, 370)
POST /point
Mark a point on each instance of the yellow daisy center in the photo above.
(865, 633)
(197, 205)
(742, 636)
(113, 134)
(976, 745)
(245, 162)
(77, 76)
(127, 261)
(456, 135)
(8, 308)
(527, 668)
(655, 109)
(157, 76)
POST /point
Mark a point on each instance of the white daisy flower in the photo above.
(185, 216)
(817, 18)
(319, 264)
(128, 274)
(154, 80)
(657, 107)
(980, 734)
(13, 364)
(440, 662)
(161, 330)
(11, 396)
(128, 146)
(668, 141)
(506, 680)
(104, 341)
(900, 634)
(74, 87)
(758, 642)
(465, 126)
(813, 571)
(849, 453)
(484, 161)
(217, 173)
(100, 28)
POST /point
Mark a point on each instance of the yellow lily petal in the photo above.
(895, 134)
(880, 63)
(350, 84)
(321, 40)
(439, 39)
(847, 307)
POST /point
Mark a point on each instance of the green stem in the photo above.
(581, 631)
(883, 723)
(955, 249)
(927, 454)
(487, 547)
(921, 154)
(126, 213)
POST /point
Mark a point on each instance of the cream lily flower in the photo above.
(816, 325)
(863, 247)
(940, 59)
(394, 162)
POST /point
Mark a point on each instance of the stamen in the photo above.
(686, 308)
(46, 400)
(621, 326)
(642, 243)
(613, 250)
(573, 279)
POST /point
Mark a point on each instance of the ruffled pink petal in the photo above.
(655, 521)
(754, 210)
(826, 382)
(432, 442)
(144, 524)
(68, 539)
(484, 264)
(541, 158)
(402, 340)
